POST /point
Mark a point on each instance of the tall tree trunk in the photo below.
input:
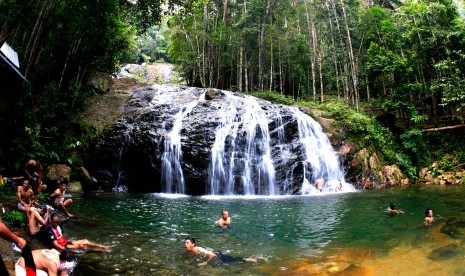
(261, 34)
(334, 50)
(280, 69)
(271, 62)
(239, 73)
(312, 49)
(368, 89)
(72, 50)
(261, 46)
(246, 73)
(351, 56)
(32, 49)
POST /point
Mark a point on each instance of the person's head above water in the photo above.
(189, 243)
(392, 206)
(225, 214)
(189, 238)
(428, 212)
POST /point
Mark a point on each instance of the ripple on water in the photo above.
(298, 235)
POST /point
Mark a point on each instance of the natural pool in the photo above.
(348, 233)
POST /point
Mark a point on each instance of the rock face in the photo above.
(205, 141)
(433, 175)
(365, 170)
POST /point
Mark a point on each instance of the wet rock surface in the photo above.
(133, 152)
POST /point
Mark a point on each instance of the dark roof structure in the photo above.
(11, 79)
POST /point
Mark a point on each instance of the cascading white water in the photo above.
(119, 187)
(319, 155)
(172, 177)
(243, 161)
(241, 154)
(253, 147)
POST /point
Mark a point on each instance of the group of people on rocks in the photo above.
(44, 223)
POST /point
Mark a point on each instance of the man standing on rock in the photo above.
(59, 196)
(33, 173)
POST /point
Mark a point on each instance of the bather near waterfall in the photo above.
(194, 141)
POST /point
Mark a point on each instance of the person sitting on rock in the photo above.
(319, 184)
(25, 197)
(38, 221)
(59, 197)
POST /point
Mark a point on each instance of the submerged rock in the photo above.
(454, 227)
(445, 252)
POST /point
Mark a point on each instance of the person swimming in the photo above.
(392, 210)
(190, 246)
(225, 220)
(429, 219)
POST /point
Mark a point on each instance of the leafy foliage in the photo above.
(15, 217)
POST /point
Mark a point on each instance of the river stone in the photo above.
(445, 252)
(454, 227)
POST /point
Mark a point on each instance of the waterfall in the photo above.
(119, 187)
(206, 141)
(172, 177)
(249, 155)
(319, 156)
(241, 156)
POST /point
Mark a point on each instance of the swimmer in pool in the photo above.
(392, 210)
(191, 248)
(429, 217)
(225, 220)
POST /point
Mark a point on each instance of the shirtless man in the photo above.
(59, 196)
(37, 223)
(225, 220)
(25, 198)
(429, 217)
(319, 184)
(33, 173)
(48, 262)
(191, 248)
(61, 243)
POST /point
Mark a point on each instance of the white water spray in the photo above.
(172, 175)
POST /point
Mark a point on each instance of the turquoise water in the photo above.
(347, 233)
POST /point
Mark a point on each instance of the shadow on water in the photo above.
(347, 233)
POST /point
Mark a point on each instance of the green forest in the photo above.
(401, 61)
